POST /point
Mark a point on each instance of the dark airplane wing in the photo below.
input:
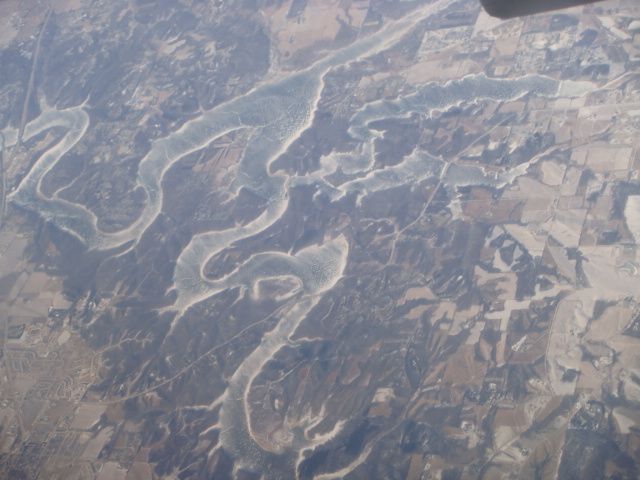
(519, 8)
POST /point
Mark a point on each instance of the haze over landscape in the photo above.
(318, 239)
